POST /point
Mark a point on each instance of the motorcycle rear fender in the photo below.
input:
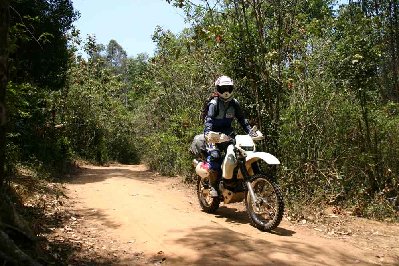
(256, 156)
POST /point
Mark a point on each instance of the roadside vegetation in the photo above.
(321, 81)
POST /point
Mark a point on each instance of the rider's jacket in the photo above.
(221, 115)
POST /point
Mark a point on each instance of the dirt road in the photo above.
(138, 217)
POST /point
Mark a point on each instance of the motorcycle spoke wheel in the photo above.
(207, 203)
(267, 212)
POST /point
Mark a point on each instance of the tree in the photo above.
(39, 61)
(4, 25)
(39, 53)
(116, 55)
(136, 71)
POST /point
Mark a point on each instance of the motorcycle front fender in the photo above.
(256, 156)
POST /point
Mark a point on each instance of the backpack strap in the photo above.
(234, 103)
(215, 100)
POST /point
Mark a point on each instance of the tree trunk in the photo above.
(4, 25)
(395, 57)
(9, 252)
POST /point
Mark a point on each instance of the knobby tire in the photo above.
(261, 223)
(208, 206)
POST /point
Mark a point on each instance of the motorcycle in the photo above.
(242, 180)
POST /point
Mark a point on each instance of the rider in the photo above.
(222, 110)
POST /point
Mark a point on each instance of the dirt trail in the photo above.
(142, 218)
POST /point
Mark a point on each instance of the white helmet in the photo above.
(224, 88)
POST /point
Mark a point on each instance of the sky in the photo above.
(130, 22)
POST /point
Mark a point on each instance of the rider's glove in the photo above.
(252, 133)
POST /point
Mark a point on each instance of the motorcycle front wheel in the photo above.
(267, 212)
(208, 204)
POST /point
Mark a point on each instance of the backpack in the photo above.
(198, 146)
(205, 107)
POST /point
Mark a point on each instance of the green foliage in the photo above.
(169, 98)
(31, 128)
(116, 56)
(93, 114)
(39, 53)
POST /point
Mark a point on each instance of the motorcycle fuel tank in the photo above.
(229, 163)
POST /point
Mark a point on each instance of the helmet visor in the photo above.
(225, 88)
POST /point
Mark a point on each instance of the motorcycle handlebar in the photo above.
(217, 137)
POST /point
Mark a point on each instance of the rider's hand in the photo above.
(252, 133)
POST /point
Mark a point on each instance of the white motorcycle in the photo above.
(242, 180)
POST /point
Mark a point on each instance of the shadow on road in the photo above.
(235, 216)
(232, 215)
(98, 174)
(222, 246)
(59, 240)
(282, 232)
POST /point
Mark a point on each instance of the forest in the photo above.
(320, 79)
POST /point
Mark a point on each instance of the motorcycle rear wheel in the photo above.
(208, 204)
(267, 213)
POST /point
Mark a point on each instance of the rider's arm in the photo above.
(241, 118)
(209, 119)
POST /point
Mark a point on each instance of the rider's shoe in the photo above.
(213, 192)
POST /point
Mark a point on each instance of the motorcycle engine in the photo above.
(232, 191)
